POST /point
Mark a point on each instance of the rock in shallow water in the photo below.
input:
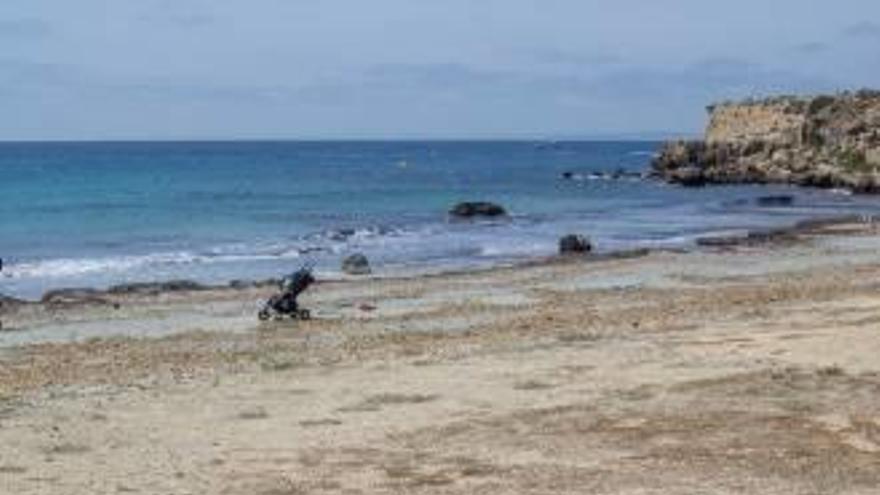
(574, 244)
(778, 200)
(618, 174)
(471, 209)
(356, 264)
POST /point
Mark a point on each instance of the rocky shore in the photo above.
(821, 141)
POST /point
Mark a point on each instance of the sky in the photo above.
(411, 69)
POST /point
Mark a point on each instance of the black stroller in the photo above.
(284, 304)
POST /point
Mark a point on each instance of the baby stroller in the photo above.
(284, 304)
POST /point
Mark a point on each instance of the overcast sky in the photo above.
(151, 69)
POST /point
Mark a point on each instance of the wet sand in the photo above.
(738, 368)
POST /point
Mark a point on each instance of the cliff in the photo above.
(821, 141)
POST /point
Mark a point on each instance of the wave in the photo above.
(420, 243)
(345, 234)
(515, 250)
(331, 241)
(73, 267)
(521, 237)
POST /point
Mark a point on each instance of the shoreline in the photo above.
(116, 294)
(163, 309)
(747, 368)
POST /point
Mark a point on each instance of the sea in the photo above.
(105, 213)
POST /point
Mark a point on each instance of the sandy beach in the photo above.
(458, 247)
(730, 369)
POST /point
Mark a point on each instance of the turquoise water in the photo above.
(96, 214)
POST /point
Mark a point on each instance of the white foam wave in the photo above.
(74, 267)
(332, 242)
(515, 249)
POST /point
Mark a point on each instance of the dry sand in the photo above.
(745, 370)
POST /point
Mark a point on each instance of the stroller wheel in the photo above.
(305, 314)
(263, 315)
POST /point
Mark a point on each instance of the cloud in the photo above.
(189, 92)
(433, 75)
(174, 13)
(24, 28)
(864, 29)
(555, 56)
(812, 48)
(180, 20)
(25, 73)
(433, 84)
(22, 76)
(402, 84)
(617, 88)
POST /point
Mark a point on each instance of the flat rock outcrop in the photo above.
(821, 141)
(153, 288)
(73, 296)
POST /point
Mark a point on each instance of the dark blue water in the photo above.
(94, 214)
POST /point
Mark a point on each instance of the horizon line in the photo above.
(636, 137)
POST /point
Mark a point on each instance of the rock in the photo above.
(356, 264)
(139, 288)
(471, 209)
(8, 303)
(269, 282)
(867, 185)
(824, 142)
(154, 288)
(872, 157)
(574, 244)
(721, 241)
(754, 237)
(242, 284)
(618, 174)
(181, 286)
(622, 173)
(777, 200)
(688, 177)
(73, 296)
(342, 234)
(780, 176)
(781, 157)
(771, 235)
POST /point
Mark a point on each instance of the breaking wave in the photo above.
(332, 241)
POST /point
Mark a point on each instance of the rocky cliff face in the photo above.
(822, 141)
